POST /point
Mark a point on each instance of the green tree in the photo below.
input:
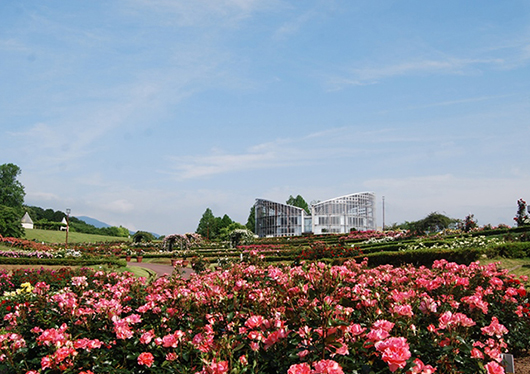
(240, 237)
(10, 225)
(299, 202)
(432, 223)
(11, 190)
(251, 221)
(224, 233)
(225, 222)
(142, 236)
(115, 231)
(11, 201)
(207, 225)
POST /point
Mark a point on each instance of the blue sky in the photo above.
(143, 113)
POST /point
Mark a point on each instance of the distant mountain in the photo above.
(94, 222)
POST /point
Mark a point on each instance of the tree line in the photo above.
(12, 209)
(50, 219)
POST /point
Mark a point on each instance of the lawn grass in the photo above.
(54, 236)
(517, 266)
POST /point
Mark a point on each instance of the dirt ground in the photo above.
(522, 365)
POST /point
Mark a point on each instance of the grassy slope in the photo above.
(52, 236)
(517, 266)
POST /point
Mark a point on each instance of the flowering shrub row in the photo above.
(458, 243)
(370, 234)
(26, 254)
(319, 250)
(24, 244)
(311, 318)
(261, 247)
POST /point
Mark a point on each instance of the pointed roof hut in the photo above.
(26, 221)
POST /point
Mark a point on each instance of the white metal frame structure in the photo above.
(276, 219)
(343, 213)
(338, 215)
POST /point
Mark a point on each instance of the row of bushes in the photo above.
(426, 257)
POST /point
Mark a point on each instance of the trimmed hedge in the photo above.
(425, 257)
(513, 249)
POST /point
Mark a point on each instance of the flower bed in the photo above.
(24, 244)
(312, 318)
(26, 254)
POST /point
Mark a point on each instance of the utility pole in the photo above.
(67, 226)
(383, 213)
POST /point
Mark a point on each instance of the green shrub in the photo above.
(425, 257)
(513, 249)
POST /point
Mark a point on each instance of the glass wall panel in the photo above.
(338, 215)
(341, 214)
(276, 219)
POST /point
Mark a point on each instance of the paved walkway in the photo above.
(162, 269)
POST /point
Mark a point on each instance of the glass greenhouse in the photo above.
(341, 214)
(276, 219)
(337, 215)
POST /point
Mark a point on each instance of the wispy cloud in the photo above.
(411, 198)
(205, 13)
(293, 26)
(372, 75)
(261, 156)
(318, 148)
(509, 55)
(461, 101)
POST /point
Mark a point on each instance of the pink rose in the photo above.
(299, 369)
(146, 359)
(395, 352)
(327, 367)
(494, 368)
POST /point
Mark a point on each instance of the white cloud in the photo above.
(42, 196)
(294, 25)
(202, 13)
(361, 76)
(492, 200)
(201, 166)
(119, 206)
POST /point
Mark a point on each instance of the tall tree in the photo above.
(432, 223)
(10, 225)
(11, 190)
(207, 225)
(11, 200)
(251, 221)
(299, 202)
(225, 222)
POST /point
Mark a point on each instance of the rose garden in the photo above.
(366, 303)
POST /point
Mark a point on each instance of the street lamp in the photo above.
(68, 210)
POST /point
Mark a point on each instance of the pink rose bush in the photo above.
(307, 319)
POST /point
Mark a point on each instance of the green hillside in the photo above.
(53, 236)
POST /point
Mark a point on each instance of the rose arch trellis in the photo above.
(184, 241)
